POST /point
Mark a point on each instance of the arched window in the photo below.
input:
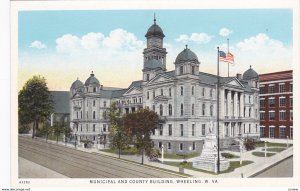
(211, 110)
(203, 109)
(161, 108)
(181, 109)
(170, 109)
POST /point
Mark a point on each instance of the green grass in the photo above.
(229, 156)
(128, 151)
(262, 154)
(262, 144)
(189, 165)
(176, 156)
(126, 160)
(278, 150)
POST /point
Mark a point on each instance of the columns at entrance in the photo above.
(229, 103)
(242, 105)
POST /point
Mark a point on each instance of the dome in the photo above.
(186, 55)
(77, 84)
(152, 64)
(92, 80)
(155, 30)
(250, 74)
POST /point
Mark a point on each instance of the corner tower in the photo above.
(155, 53)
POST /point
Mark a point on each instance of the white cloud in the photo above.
(37, 44)
(118, 39)
(225, 32)
(200, 38)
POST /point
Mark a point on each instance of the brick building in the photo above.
(276, 105)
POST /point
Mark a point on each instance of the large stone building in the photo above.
(184, 98)
(276, 105)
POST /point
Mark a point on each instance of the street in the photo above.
(78, 164)
(283, 169)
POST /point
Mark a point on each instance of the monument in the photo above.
(208, 158)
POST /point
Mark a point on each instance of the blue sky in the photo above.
(52, 35)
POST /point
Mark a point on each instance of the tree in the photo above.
(35, 102)
(67, 131)
(139, 125)
(117, 135)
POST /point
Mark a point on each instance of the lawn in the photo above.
(229, 156)
(176, 156)
(262, 154)
(189, 165)
(128, 151)
(262, 144)
(278, 149)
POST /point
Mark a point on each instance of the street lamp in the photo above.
(143, 149)
(241, 152)
(287, 141)
(75, 140)
(265, 149)
(162, 153)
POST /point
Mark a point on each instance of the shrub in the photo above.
(249, 144)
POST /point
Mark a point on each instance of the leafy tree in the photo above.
(139, 126)
(249, 144)
(117, 136)
(35, 102)
(67, 131)
(58, 127)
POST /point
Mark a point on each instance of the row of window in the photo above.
(170, 130)
(271, 88)
(161, 91)
(271, 102)
(282, 132)
(169, 146)
(282, 115)
(104, 128)
(170, 109)
(79, 115)
(229, 131)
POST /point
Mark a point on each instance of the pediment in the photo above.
(235, 82)
(133, 91)
(160, 78)
(160, 98)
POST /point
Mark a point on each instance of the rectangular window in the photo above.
(194, 146)
(87, 128)
(193, 89)
(203, 129)
(203, 92)
(160, 129)
(193, 70)
(180, 146)
(262, 115)
(193, 129)
(291, 133)
(271, 89)
(193, 109)
(261, 90)
(282, 133)
(153, 93)
(262, 103)
(291, 101)
(170, 129)
(272, 132)
(271, 102)
(181, 70)
(170, 92)
(271, 115)
(181, 90)
(281, 87)
(159, 144)
(104, 127)
(262, 132)
(181, 109)
(94, 127)
(281, 101)
(161, 92)
(147, 95)
(291, 87)
(169, 145)
(291, 115)
(181, 130)
(282, 115)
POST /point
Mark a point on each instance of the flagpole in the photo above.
(227, 53)
(218, 116)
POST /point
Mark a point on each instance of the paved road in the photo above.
(283, 169)
(78, 164)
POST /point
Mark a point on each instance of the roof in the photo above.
(155, 30)
(186, 55)
(92, 80)
(76, 84)
(61, 101)
(283, 75)
(137, 84)
(250, 74)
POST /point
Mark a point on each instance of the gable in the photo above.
(160, 78)
(133, 91)
(234, 82)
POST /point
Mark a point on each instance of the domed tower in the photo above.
(92, 84)
(186, 63)
(155, 53)
(252, 77)
(76, 87)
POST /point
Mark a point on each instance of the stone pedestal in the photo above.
(207, 159)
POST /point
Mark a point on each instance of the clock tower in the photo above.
(155, 53)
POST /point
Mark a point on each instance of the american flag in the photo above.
(222, 56)
(228, 58)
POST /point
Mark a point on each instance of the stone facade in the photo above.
(185, 99)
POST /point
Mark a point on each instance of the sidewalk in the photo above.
(259, 163)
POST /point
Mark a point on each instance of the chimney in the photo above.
(101, 87)
(239, 76)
